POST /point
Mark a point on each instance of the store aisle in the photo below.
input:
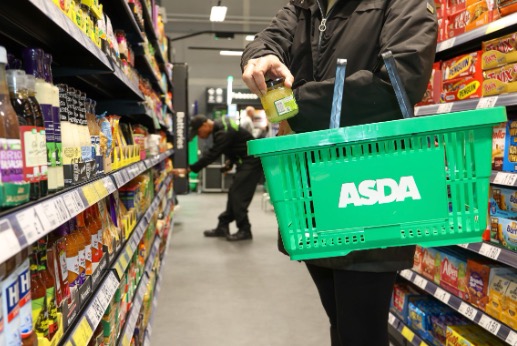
(216, 293)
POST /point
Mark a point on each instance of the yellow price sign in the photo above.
(126, 341)
(119, 269)
(123, 262)
(423, 344)
(408, 334)
(102, 191)
(83, 333)
(91, 195)
(494, 26)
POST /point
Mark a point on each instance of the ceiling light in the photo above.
(250, 37)
(218, 13)
(231, 52)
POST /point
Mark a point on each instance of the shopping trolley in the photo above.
(419, 180)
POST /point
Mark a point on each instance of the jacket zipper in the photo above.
(323, 25)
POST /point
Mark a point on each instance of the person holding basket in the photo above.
(302, 45)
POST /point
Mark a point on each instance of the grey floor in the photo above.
(216, 293)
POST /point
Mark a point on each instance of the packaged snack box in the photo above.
(506, 200)
(497, 292)
(453, 277)
(498, 144)
(403, 294)
(499, 51)
(431, 264)
(510, 147)
(500, 80)
(509, 308)
(462, 66)
(463, 88)
(418, 259)
(507, 7)
(434, 87)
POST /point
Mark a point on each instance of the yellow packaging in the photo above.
(509, 309)
(496, 294)
(500, 80)
(499, 51)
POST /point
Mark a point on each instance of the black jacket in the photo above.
(359, 31)
(230, 140)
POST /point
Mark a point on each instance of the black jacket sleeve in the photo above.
(222, 140)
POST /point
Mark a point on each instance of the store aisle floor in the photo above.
(217, 293)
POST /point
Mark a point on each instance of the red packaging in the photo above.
(418, 258)
(434, 87)
(454, 6)
(442, 29)
(463, 88)
(462, 66)
(453, 273)
(507, 7)
(456, 24)
(470, 15)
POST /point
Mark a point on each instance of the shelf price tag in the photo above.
(118, 179)
(465, 246)
(512, 338)
(490, 324)
(503, 178)
(52, 213)
(101, 188)
(83, 333)
(408, 334)
(9, 243)
(95, 311)
(391, 319)
(446, 44)
(420, 282)
(444, 108)
(495, 26)
(468, 311)
(91, 195)
(406, 274)
(442, 295)
(30, 224)
(490, 251)
(108, 184)
(487, 102)
(73, 203)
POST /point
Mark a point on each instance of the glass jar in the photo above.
(279, 103)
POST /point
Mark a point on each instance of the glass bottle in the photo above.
(39, 294)
(72, 257)
(85, 233)
(27, 334)
(48, 280)
(16, 82)
(40, 127)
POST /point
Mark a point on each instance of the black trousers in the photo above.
(357, 304)
(240, 195)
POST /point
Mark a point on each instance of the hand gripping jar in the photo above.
(279, 102)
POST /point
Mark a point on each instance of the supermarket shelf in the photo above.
(484, 102)
(24, 225)
(495, 327)
(404, 330)
(145, 67)
(41, 23)
(123, 18)
(124, 79)
(494, 252)
(149, 29)
(503, 178)
(478, 34)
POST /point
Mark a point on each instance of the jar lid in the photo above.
(274, 82)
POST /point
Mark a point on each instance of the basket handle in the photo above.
(400, 91)
(339, 84)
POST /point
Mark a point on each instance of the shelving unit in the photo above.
(477, 316)
(405, 331)
(127, 21)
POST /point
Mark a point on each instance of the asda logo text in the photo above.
(380, 191)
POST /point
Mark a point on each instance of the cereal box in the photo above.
(496, 294)
(498, 143)
(453, 271)
(479, 274)
(463, 88)
(510, 147)
(500, 80)
(462, 66)
(499, 51)
(509, 308)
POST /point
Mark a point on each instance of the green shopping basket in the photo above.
(419, 180)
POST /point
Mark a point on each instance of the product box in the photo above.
(501, 80)
(403, 294)
(462, 66)
(502, 230)
(453, 272)
(510, 147)
(496, 294)
(442, 322)
(479, 274)
(498, 144)
(420, 317)
(418, 259)
(509, 308)
(430, 264)
(463, 88)
(434, 87)
(470, 14)
(454, 6)
(507, 7)
(470, 335)
(442, 29)
(506, 200)
(499, 51)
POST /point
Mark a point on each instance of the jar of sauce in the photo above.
(279, 103)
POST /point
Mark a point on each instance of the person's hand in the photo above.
(269, 66)
(284, 128)
(180, 172)
(228, 166)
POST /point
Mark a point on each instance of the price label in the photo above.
(9, 243)
(125, 176)
(101, 189)
(149, 329)
(512, 338)
(417, 111)
(52, 213)
(118, 179)
(95, 311)
(406, 274)
(468, 311)
(408, 334)
(495, 26)
(446, 44)
(73, 203)
(38, 4)
(487, 102)
(490, 324)
(391, 319)
(90, 194)
(490, 251)
(465, 246)
(83, 333)
(108, 184)
(444, 108)
(143, 168)
(442, 295)
(503, 178)
(30, 224)
(420, 282)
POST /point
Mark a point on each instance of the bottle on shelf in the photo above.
(93, 231)
(85, 233)
(86, 148)
(33, 60)
(75, 121)
(81, 245)
(39, 298)
(100, 229)
(58, 237)
(48, 280)
(16, 81)
(10, 304)
(40, 128)
(28, 337)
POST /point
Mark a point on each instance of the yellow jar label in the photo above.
(285, 105)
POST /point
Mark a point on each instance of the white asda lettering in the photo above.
(180, 130)
(370, 192)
